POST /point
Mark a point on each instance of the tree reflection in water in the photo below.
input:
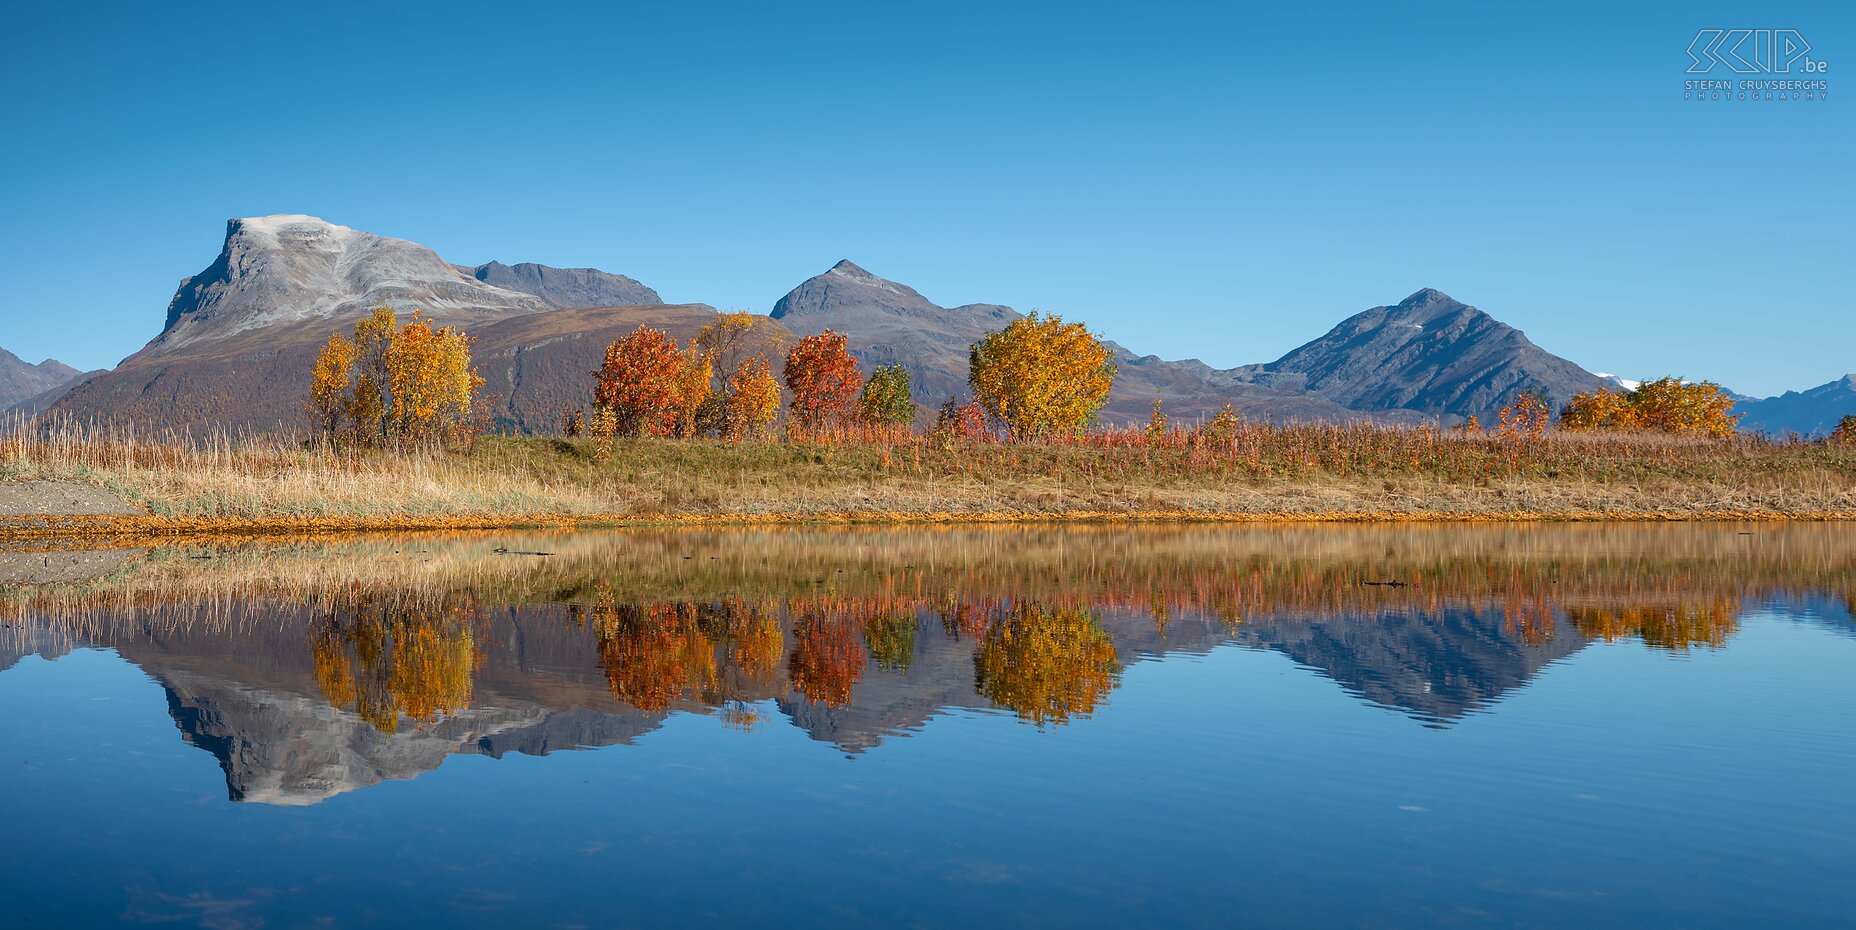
(386, 658)
(1046, 664)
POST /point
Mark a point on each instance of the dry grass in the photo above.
(1264, 472)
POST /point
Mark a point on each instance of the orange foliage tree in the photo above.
(647, 387)
(1041, 377)
(823, 380)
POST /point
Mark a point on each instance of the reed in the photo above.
(1256, 470)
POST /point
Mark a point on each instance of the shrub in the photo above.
(1041, 377)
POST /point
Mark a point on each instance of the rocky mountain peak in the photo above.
(848, 287)
(290, 268)
(1428, 353)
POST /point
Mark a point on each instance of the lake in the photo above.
(1545, 726)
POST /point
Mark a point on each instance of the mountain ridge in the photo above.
(21, 380)
(238, 337)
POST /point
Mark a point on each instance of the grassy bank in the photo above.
(1299, 473)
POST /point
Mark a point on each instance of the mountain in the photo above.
(566, 287)
(890, 323)
(20, 380)
(1813, 412)
(274, 271)
(1430, 354)
(238, 339)
(240, 335)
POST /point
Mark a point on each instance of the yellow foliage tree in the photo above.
(693, 387)
(430, 381)
(752, 401)
(407, 384)
(328, 384)
(1603, 409)
(729, 342)
(1666, 405)
(1041, 377)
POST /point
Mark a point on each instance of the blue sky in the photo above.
(1192, 180)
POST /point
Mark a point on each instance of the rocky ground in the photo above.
(60, 499)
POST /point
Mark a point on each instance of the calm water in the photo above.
(1572, 726)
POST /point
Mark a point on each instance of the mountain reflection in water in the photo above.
(314, 669)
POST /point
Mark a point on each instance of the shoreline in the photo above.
(84, 528)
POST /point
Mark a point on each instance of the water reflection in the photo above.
(312, 669)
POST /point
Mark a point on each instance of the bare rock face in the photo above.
(285, 269)
(21, 380)
(1428, 354)
(566, 288)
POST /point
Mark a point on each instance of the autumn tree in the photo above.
(409, 385)
(369, 405)
(752, 401)
(1041, 377)
(1666, 405)
(729, 342)
(1526, 417)
(329, 379)
(648, 387)
(886, 399)
(823, 382)
(430, 381)
(1603, 409)
(1845, 431)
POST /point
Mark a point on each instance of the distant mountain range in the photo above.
(21, 380)
(238, 338)
(1812, 412)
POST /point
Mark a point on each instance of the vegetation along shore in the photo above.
(705, 433)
